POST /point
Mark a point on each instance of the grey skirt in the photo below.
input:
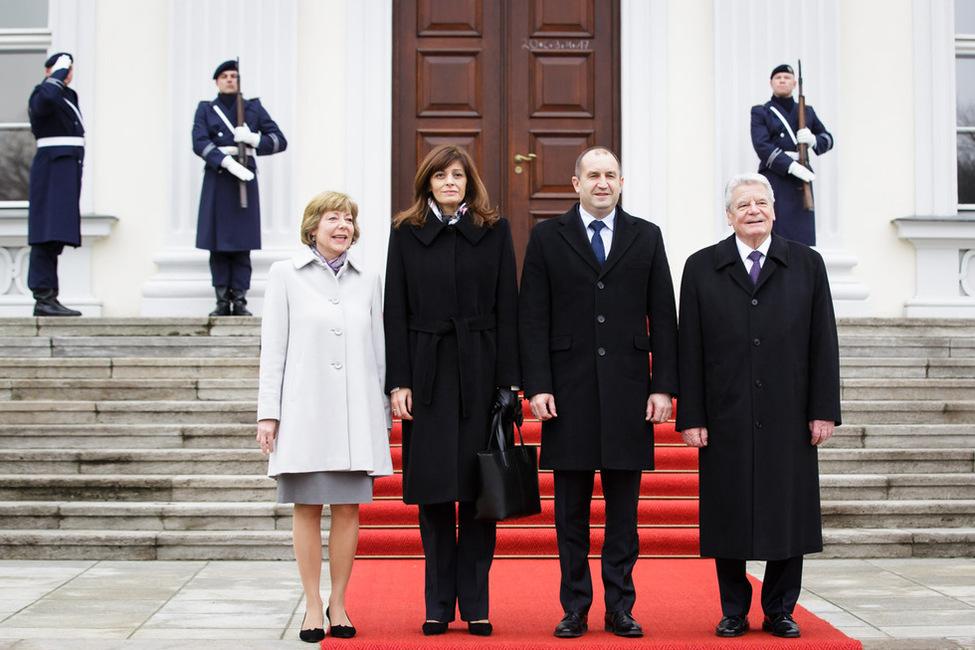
(319, 488)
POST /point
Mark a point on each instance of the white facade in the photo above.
(880, 74)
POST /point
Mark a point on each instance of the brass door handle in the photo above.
(526, 159)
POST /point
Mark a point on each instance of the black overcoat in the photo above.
(757, 363)
(55, 174)
(585, 339)
(451, 336)
(222, 225)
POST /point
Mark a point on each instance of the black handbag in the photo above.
(508, 484)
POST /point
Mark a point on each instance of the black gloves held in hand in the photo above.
(507, 402)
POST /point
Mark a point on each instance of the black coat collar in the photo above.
(433, 226)
(624, 235)
(726, 256)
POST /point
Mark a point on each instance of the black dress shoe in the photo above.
(433, 628)
(781, 625)
(573, 624)
(480, 629)
(731, 626)
(622, 624)
(313, 635)
(340, 631)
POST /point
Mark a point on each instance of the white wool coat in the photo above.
(323, 368)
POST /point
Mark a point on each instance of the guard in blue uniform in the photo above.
(776, 136)
(224, 228)
(54, 218)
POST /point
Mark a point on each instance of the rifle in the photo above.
(807, 197)
(241, 146)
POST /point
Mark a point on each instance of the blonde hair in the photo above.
(328, 201)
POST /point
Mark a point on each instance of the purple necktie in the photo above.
(755, 257)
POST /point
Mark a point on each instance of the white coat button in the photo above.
(337, 331)
(334, 301)
(337, 365)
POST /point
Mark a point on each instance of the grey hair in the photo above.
(746, 179)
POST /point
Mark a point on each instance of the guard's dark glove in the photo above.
(507, 402)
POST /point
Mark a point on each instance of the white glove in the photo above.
(805, 136)
(245, 135)
(63, 63)
(802, 173)
(239, 170)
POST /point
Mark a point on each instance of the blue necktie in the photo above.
(755, 257)
(597, 241)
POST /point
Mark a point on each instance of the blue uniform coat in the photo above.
(222, 224)
(55, 174)
(757, 363)
(585, 339)
(772, 142)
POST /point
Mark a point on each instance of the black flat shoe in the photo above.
(731, 626)
(480, 629)
(622, 624)
(340, 631)
(313, 635)
(572, 625)
(433, 628)
(781, 625)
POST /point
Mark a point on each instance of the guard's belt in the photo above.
(61, 141)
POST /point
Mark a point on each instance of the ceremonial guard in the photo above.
(229, 224)
(776, 137)
(54, 218)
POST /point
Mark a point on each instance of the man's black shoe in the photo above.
(622, 624)
(573, 624)
(731, 626)
(781, 625)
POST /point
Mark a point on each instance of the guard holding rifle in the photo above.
(227, 133)
(784, 133)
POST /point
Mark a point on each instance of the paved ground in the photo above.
(53, 605)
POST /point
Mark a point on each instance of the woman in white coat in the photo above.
(322, 412)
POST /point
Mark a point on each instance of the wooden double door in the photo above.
(524, 85)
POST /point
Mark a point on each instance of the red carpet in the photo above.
(677, 604)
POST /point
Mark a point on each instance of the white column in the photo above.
(202, 34)
(750, 39)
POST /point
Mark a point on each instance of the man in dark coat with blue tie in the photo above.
(226, 228)
(759, 390)
(54, 217)
(596, 299)
(776, 137)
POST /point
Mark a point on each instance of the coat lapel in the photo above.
(726, 258)
(429, 230)
(778, 256)
(573, 233)
(623, 237)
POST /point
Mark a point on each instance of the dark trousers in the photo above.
(231, 269)
(43, 270)
(621, 545)
(459, 551)
(780, 587)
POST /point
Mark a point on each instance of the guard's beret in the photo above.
(223, 67)
(54, 57)
(785, 67)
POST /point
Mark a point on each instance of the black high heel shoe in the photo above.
(340, 631)
(433, 628)
(312, 635)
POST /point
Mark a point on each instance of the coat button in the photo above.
(756, 342)
(758, 383)
(600, 285)
(601, 352)
(600, 319)
(337, 331)
(758, 425)
(337, 365)
(754, 301)
(334, 301)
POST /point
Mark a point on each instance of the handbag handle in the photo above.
(498, 424)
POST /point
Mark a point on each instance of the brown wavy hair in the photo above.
(476, 196)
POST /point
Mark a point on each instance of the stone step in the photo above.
(896, 487)
(942, 513)
(128, 412)
(896, 461)
(137, 487)
(119, 436)
(148, 515)
(129, 368)
(131, 346)
(907, 327)
(908, 412)
(866, 389)
(897, 542)
(198, 326)
(133, 461)
(129, 389)
(903, 436)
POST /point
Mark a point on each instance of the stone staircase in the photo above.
(134, 439)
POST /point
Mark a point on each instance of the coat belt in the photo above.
(426, 353)
(61, 141)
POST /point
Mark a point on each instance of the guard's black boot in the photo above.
(239, 302)
(46, 304)
(223, 302)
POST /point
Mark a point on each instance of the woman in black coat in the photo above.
(451, 356)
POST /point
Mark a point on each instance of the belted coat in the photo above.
(222, 225)
(757, 363)
(451, 337)
(586, 336)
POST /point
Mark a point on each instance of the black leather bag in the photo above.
(508, 485)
